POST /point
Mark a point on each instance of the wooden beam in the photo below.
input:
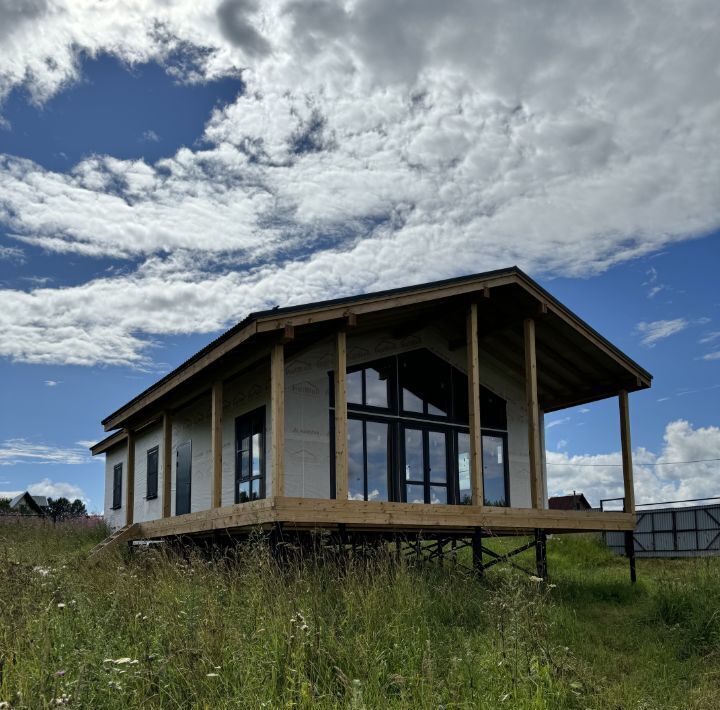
(341, 452)
(216, 427)
(627, 463)
(167, 464)
(288, 333)
(533, 414)
(130, 484)
(473, 370)
(108, 442)
(277, 413)
(308, 513)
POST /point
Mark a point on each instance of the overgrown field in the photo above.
(158, 630)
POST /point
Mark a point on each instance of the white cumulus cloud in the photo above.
(658, 476)
(375, 143)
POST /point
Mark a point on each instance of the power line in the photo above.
(605, 465)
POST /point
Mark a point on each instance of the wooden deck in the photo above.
(303, 514)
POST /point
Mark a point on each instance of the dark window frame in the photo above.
(398, 419)
(117, 487)
(365, 417)
(500, 434)
(249, 420)
(451, 473)
(151, 484)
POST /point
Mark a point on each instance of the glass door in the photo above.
(426, 467)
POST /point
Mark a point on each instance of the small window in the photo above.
(250, 456)
(152, 473)
(117, 486)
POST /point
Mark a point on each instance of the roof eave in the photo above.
(276, 319)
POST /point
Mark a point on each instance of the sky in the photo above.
(166, 168)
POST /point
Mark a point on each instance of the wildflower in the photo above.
(59, 674)
(62, 700)
(43, 571)
(538, 580)
(123, 661)
(552, 586)
(61, 605)
(4, 704)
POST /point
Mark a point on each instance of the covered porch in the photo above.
(505, 320)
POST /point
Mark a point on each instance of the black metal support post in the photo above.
(541, 553)
(630, 553)
(477, 552)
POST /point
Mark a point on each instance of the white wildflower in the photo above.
(123, 661)
(61, 605)
(538, 580)
(552, 586)
(44, 572)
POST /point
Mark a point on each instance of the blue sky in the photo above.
(155, 186)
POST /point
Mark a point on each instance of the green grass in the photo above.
(160, 630)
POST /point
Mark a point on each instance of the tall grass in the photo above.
(241, 629)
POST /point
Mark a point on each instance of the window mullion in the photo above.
(364, 444)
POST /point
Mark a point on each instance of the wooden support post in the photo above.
(341, 452)
(216, 434)
(477, 555)
(630, 553)
(627, 465)
(277, 409)
(541, 554)
(533, 413)
(167, 464)
(473, 370)
(130, 487)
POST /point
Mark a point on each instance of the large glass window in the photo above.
(424, 383)
(250, 456)
(420, 401)
(494, 470)
(368, 449)
(369, 386)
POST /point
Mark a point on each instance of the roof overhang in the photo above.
(507, 293)
(108, 442)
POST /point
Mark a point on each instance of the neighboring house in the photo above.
(26, 503)
(576, 501)
(414, 411)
